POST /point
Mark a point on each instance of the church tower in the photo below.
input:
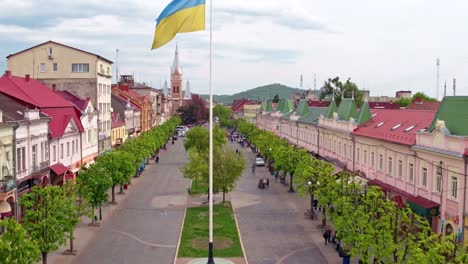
(176, 80)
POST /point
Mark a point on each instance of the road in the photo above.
(271, 221)
(146, 225)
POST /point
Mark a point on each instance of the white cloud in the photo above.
(385, 46)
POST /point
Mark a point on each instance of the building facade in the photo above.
(7, 177)
(417, 157)
(63, 67)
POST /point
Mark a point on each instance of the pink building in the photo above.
(417, 157)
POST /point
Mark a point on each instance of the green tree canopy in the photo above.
(423, 97)
(15, 245)
(339, 89)
(227, 169)
(119, 166)
(198, 138)
(46, 218)
(96, 181)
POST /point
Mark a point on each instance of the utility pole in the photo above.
(438, 65)
(445, 89)
(117, 66)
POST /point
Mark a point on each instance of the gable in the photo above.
(71, 127)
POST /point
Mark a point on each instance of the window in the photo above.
(55, 67)
(88, 140)
(54, 153)
(61, 151)
(365, 156)
(73, 147)
(34, 154)
(108, 70)
(390, 165)
(339, 147)
(409, 128)
(372, 160)
(410, 173)
(43, 67)
(50, 51)
(438, 183)
(42, 151)
(400, 168)
(76, 143)
(379, 124)
(68, 149)
(380, 162)
(454, 187)
(80, 67)
(424, 177)
(345, 150)
(21, 159)
(358, 154)
(397, 126)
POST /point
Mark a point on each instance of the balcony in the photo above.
(7, 184)
(40, 169)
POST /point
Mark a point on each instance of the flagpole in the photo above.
(210, 172)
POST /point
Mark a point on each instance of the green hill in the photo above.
(260, 93)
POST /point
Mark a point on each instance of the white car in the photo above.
(259, 162)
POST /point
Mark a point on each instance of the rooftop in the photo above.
(396, 125)
(453, 110)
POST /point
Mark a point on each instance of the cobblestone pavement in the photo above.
(145, 227)
(272, 224)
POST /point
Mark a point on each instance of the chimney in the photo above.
(7, 73)
(27, 77)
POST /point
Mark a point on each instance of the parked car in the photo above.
(259, 162)
(181, 133)
(235, 134)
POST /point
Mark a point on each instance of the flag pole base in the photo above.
(210, 253)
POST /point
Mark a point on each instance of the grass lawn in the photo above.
(194, 240)
(198, 188)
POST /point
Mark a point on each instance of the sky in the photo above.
(383, 46)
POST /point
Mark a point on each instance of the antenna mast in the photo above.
(438, 65)
(116, 65)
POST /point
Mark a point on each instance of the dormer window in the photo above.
(422, 130)
(397, 126)
(409, 128)
(379, 124)
(374, 114)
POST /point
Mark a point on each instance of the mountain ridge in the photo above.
(260, 93)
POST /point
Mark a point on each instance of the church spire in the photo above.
(176, 69)
(188, 94)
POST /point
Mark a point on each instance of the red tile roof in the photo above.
(116, 122)
(33, 93)
(58, 168)
(421, 105)
(123, 91)
(318, 103)
(393, 125)
(74, 99)
(383, 105)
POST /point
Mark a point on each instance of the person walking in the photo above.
(326, 235)
(157, 159)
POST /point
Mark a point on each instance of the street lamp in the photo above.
(311, 195)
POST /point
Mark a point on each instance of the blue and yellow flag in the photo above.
(178, 17)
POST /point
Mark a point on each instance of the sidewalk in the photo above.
(296, 206)
(84, 233)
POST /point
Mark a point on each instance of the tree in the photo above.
(198, 138)
(423, 97)
(276, 98)
(46, 218)
(74, 193)
(222, 112)
(197, 167)
(119, 166)
(286, 159)
(200, 108)
(15, 245)
(227, 168)
(96, 181)
(403, 102)
(187, 114)
(340, 89)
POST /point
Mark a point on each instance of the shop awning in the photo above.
(58, 168)
(420, 205)
(423, 207)
(5, 207)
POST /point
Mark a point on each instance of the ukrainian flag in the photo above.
(178, 17)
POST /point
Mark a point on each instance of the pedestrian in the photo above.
(157, 159)
(237, 151)
(326, 235)
(268, 183)
(172, 142)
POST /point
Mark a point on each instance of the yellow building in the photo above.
(63, 67)
(7, 180)
(119, 131)
(250, 112)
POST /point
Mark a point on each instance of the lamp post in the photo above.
(309, 183)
